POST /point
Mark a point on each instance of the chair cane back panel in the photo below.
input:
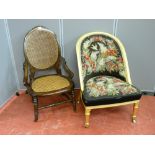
(41, 48)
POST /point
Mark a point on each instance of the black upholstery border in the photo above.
(105, 100)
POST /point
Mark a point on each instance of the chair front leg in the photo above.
(87, 117)
(135, 109)
(35, 102)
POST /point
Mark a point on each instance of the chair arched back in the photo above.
(101, 53)
(41, 48)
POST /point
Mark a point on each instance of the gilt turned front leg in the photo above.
(87, 117)
(135, 109)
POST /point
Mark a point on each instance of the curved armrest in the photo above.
(26, 79)
(66, 68)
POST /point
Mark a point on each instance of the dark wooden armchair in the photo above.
(42, 52)
(104, 74)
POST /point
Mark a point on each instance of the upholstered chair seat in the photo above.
(100, 90)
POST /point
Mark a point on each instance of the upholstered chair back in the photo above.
(101, 54)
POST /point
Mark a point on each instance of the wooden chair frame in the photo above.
(29, 77)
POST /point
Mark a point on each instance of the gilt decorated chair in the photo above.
(42, 52)
(104, 74)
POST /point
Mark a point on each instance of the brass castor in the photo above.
(133, 119)
(86, 125)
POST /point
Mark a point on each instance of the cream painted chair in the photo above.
(104, 74)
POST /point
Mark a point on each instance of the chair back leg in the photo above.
(73, 100)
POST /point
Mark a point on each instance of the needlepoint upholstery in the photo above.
(101, 54)
(108, 89)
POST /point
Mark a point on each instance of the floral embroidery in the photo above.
(100, 53)
(108, 86)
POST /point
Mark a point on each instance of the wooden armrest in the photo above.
(66, 68)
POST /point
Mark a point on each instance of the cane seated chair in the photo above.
(104, 74)
(42, 52)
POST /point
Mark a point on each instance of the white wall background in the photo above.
(137, 36)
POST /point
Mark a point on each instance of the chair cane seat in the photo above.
(50, 83)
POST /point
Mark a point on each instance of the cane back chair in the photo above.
(104, 74)
(42, 52)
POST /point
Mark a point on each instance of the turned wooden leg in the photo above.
(87, 117)
(135, 108)
(73, 100)
(35, 102)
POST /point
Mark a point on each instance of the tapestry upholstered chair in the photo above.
(104, 74)
(42, 52)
